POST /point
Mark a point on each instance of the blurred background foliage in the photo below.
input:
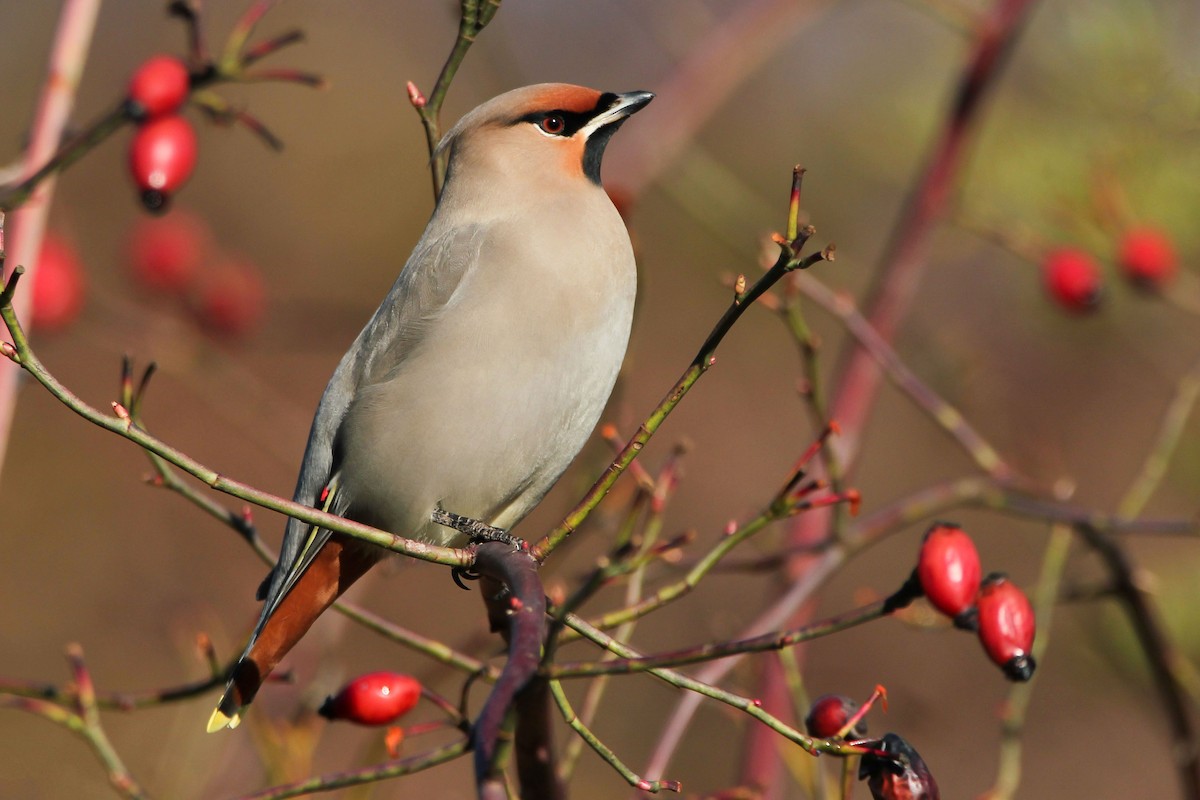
(1099, 99)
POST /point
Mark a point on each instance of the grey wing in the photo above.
(428, 281)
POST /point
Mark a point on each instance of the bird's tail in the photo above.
(339, 563)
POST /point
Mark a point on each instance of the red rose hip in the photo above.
(1147, 257)
(897, 772)
(829, 714)
(57, 285)
(230, 298)
(162, 156)
(949, 572)
(1007, 626)
(1073, 279)
(377, 698)
(159, 86)
(165, 252)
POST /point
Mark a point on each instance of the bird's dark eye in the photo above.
(553, 124)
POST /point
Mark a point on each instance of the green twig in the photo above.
(76, 148)
(1008, 773)
(743, 704)
(585, 735)
(372, 774)
(938, 408)
(1154, 468)
(84, 721)
(244, 527)
(122, 425)
(787, 262)
(710, 652)
(474, 17)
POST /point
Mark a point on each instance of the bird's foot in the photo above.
(475, 530)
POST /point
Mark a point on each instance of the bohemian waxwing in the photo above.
(483, 372)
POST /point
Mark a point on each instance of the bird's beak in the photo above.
(620, 106)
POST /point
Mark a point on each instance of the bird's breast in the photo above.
(504, 387)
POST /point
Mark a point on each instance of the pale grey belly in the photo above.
(485, 432)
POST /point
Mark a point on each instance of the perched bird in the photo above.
(483, 372)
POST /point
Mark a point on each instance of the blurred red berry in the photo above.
(165, 252)
(1147, 257)
(159, 86)
(231, 298)
(949, 571)
(898, 772)
(57, 285)
(377, 698)
(161, 158)
(1073, 279)
(829, 714)
(1007, 626)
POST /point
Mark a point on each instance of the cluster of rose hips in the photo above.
(162, 153)
(1146, 257)
(166, 255)
(948, 574)
(892, 768)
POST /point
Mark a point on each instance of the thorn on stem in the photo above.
(121, 412)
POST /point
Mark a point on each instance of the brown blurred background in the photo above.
(852, 90)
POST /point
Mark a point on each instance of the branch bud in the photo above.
(414, 95)
(739, 287)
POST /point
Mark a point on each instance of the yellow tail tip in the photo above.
(220, 719)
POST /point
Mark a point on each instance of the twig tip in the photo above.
(415, 96)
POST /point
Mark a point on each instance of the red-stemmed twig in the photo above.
(81, 716)
(857, 380)
(907, 252)
(474, 15)
(27, 225)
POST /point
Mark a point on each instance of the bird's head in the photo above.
(548, 132)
